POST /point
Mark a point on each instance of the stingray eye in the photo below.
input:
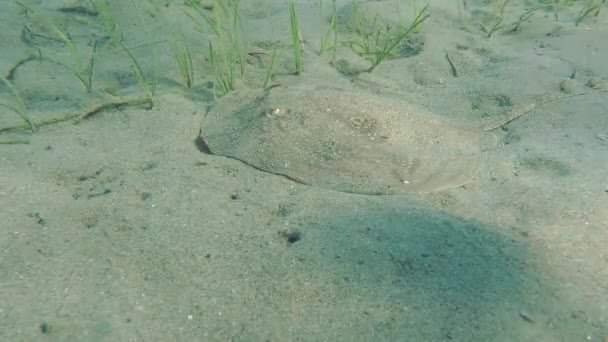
(278, 112)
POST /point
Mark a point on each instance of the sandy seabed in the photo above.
(117, 227)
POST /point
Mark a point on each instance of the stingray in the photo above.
(349, 141)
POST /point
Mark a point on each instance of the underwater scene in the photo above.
(304, 170)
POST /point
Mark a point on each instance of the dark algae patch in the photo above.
(542, 164)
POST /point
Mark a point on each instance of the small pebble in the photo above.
(526, 317)
(567, 86)
(292, 237)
